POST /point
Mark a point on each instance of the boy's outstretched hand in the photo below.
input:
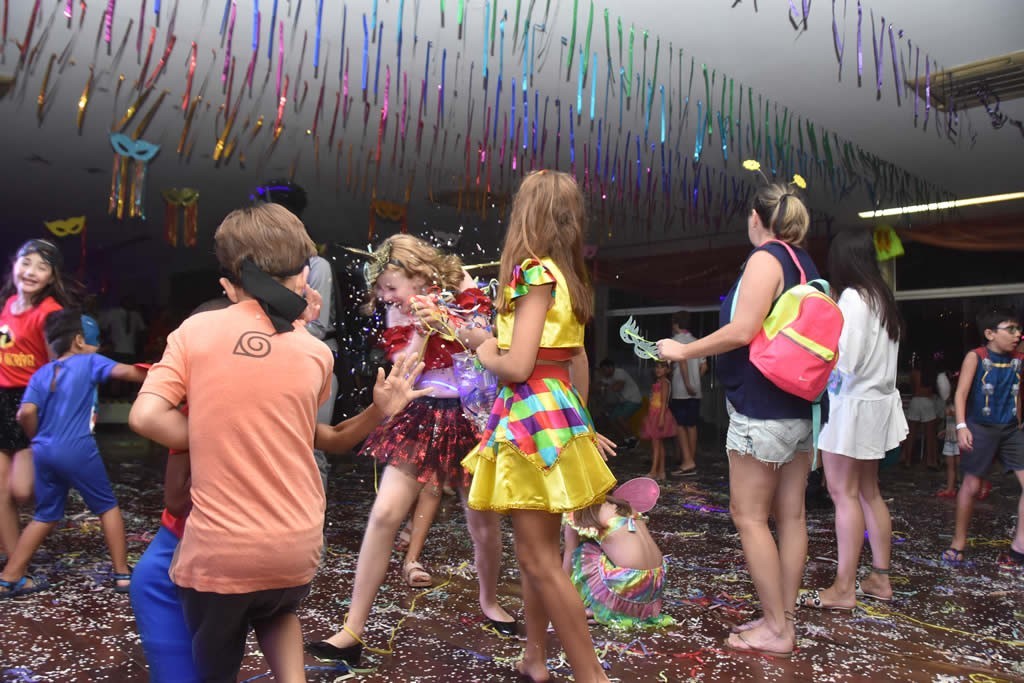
(393, 392)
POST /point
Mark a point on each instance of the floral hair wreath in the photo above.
(755, 165)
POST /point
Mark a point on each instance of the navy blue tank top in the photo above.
(750, 393)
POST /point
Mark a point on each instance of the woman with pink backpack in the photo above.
(770, 430)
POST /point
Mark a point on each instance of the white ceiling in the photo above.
(750, 42)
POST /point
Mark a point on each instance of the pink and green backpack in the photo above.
(798, 345)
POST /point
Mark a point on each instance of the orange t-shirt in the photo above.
(257, 499)
(22, 344)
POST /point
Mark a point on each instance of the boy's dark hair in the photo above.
(990, 318)
(60, 329)
(681, 319)
(607, 363)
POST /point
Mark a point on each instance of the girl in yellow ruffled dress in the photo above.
(539, 455)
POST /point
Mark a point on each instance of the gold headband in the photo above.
(377, 262)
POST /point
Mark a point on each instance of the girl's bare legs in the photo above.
(423, 514)
(396, 495)
(844, 481)
(17, 475)
(485, 529)
(8, 509)
(657, 459)
(951, 464)
(752, 488)
(931, 450)
(907, 458)
(548, 594)
(879, 525)
(22, 476)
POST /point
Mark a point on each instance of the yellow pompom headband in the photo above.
(755, 165)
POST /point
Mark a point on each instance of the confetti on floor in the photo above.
(946, 624)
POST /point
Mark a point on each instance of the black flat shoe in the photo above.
(325, 652)
(509, 629)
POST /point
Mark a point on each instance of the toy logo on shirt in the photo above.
(6, 337)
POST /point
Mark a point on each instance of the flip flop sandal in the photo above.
(416, 576)
(743, 628)
(17, 588)
(953, 556)
(750, 649)
(122, 577)
(813, 599)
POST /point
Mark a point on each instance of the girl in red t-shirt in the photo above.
(33, 290)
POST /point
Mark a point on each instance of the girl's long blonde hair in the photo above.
(548, 221)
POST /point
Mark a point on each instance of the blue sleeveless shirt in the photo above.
(994, 392)
(750, 393)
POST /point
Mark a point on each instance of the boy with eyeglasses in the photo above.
(988, 423)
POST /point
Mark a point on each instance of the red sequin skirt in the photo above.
(427, 440)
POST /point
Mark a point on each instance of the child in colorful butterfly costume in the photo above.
(618, 569)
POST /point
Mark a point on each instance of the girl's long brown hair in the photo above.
(548, 221)
(65, 290)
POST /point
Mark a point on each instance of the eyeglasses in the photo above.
(1012, 329)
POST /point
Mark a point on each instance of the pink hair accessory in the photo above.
(641, 493)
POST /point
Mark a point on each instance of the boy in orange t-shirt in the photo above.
(254, 378)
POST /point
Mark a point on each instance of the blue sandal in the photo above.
(13, 589)
(122, 577)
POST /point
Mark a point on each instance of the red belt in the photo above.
(541, 371)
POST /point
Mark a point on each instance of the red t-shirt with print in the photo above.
(22, 344)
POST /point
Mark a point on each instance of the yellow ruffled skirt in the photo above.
(504, 479)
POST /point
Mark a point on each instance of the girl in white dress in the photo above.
(865, 420)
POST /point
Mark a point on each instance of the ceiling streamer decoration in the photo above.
(650, 150)
(901, 59)
(128, 179)
(184, 200)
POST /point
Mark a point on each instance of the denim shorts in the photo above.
(773, 442)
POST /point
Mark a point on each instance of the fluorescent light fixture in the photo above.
(938, 206)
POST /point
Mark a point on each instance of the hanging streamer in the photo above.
(316, 41)
(878, 47)
(128, 180)
(572, 39)
(83, 101)
(230, 37)
(186, 201)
